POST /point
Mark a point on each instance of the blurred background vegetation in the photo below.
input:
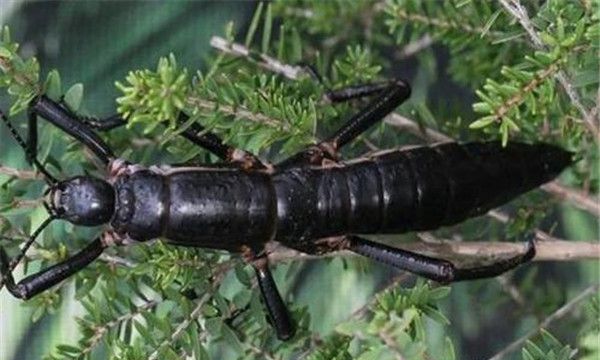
(454, 54)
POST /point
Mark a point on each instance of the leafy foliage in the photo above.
(158, 301)
(20, 76)
(472, 30)
(153, 96)
(548, 349)
(528, 92)
(397, 323)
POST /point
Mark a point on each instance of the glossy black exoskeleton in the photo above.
(303, 202)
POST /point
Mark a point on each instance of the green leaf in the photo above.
(436, 315)
(490, 22)
(548, 39)
(73, 96)
(439, 293)
(266, 35)
(504, 133)
(351, 327)
(482, 107)
(242, 275)
(373, 353)
(483, 122)
(53, 85)
(68, 349)
(6, 53)
(253, 25)
(449, 353)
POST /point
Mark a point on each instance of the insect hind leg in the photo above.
(440, 270)
(497, 267)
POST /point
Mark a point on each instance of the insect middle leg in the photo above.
(432, 268)
(276, 308)
(198, 135)
(390, 95)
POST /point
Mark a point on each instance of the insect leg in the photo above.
(275, 306)
(345, 93)
(198, 135)
(435, 269)
(43, 280)
(195, 133)
(391, 95)
(32, 135)
(94, 123)
(30, 151)
(357, 91)
(105, 124)
(70, 123)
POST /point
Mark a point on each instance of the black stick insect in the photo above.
(303, 202)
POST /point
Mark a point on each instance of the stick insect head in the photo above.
(82, 200)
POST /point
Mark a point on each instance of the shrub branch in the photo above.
(556, 315)
(518, 11)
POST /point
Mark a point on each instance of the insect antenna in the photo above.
(49, 179)
(6, 266)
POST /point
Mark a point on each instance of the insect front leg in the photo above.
(432, 268)
(390, 95)
(94, 123)
(276, 308)
(45, 279)
(64, 119)
(32, 135)
(196, 134)
(105, 124)
(29, 148)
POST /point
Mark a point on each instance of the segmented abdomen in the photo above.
(415, 189)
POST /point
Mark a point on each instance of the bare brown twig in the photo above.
(554, 250)
(266, 62)
(20, 174)
(414, 47)
(575, 197)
